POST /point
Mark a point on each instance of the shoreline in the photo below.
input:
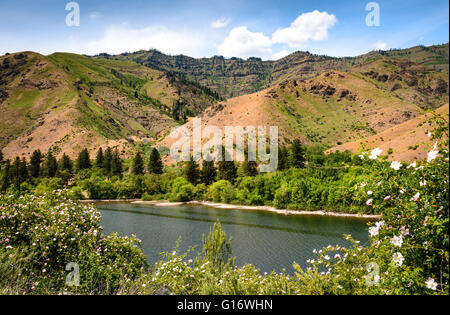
(257, 208)
(226, 206)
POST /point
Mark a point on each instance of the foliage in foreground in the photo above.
(46, 233)
(408, 251)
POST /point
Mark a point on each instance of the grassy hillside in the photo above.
(337, 107)
(67, 101)
(235, 77)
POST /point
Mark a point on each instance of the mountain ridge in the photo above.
(64, 102)
(235, 76)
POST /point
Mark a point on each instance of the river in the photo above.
(270, 241)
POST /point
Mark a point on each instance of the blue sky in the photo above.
(241, 28)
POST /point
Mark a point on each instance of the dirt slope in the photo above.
(409, 141)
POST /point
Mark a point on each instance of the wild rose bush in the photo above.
(409, 248)
(59, 231)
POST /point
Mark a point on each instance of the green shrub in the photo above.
(75, 193)
(151, 184)
(221, 191)
(181, 190)
(48, 185)
(200, 192)
(60, 231)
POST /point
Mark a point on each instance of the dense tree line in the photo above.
(110, 163)
(47, 166)
(108, 176)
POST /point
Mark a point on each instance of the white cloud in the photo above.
(311, 26)
(220, 23)
(380, 45)
(308, 26)
(121, 38)
(243, 43)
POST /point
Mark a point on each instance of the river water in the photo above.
(271, 242)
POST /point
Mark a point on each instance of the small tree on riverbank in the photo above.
(208, 173)
(155, 165)
(138, 165)
(83, 161)
(298, 154)
(192, 172)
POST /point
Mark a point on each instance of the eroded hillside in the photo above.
(65, 102)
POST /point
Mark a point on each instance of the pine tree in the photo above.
(250, 168)
(138, 165)
(208, 172)
(116, 164)
(6, 179)
(298, 154)
(192, 171)
(283, 158)
(107, 161)
(83, 161)
(227, 169)
(15, 169)
(66, 163)
(155, 165)
(23, 170)
(15, 173)
(65, 167)
(35, 164)
(51, 166)
(99, 160)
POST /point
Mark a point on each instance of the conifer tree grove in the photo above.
(6, 179)
(66, 163)
(107, 161)
(227, 169)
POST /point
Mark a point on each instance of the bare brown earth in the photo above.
(337, 107)
(409, 141)
(66, 102)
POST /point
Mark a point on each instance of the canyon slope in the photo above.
(65, 102)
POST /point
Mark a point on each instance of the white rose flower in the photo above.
(375, 153)
(398, 259)
(431, 284)
(397, 241)
(396, 165)
(433, 154)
